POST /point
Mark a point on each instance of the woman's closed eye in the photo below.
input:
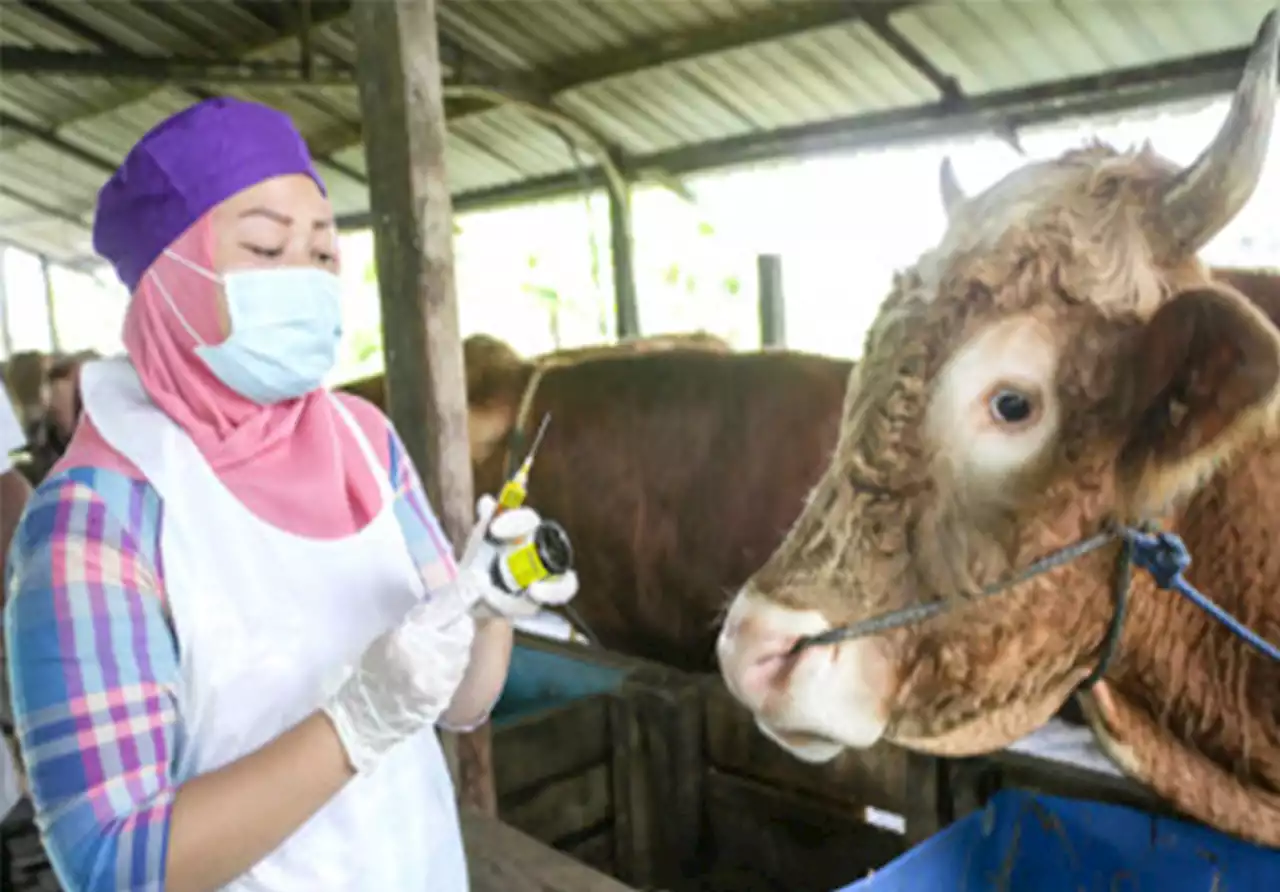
(262, 251)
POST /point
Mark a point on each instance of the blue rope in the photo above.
(1165, 557)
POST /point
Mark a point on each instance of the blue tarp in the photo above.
(1022, 842)
(539, 680)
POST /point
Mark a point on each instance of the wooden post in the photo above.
(405, 139)
(624, 276)
(46, 268)
(6, 337)
(773, 316)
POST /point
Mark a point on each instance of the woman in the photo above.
(233, 618)
(14, 492)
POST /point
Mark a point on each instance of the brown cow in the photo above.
(482, 354)
(666, 466)
(675, 474)
(1061, 361)
(26, 377)
(648, 344)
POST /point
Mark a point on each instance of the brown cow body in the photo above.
(482, 354)
(674, 471)
(1060, 362)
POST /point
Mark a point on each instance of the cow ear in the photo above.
(1205, 370)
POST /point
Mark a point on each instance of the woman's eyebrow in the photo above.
(282, 219)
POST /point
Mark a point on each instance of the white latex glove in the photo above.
(507, 532)
(406, 678)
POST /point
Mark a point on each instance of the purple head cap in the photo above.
(184, 166)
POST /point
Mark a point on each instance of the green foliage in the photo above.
(366, 344)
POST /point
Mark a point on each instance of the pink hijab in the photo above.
(294, 464)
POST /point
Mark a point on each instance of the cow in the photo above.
(47, 388)
(672, 623)
(674, 471)
(701, 340)
(25, 377)
(483, 353)
(1060, 362)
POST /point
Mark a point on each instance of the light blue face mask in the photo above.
(286, 324)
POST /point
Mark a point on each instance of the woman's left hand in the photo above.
(494, 538)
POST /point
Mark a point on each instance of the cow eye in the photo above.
(1011, 406)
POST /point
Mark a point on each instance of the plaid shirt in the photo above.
(93, 667)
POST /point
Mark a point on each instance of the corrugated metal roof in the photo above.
(998, 46)
(702, 71)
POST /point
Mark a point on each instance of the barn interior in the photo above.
(599, 770)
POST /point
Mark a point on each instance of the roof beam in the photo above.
(315, 13)
(773, 23)
(173, 70)
(49, 138)
(1122, 89)
(195, 71)
(768, 24)
(320, 15)
(539, 89)
(47, 210)
(908, 52)
(1194, 77)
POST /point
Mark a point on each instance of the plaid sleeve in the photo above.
(428, 545)
(93, 671)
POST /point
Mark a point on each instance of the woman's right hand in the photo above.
(404, 681)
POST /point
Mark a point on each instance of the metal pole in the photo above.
(773, 316)
(624, 276)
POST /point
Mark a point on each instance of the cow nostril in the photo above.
(767, 660)
(774, 648)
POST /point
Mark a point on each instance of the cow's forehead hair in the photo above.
(1020, 197)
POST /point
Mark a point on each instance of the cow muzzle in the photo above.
(813, 703)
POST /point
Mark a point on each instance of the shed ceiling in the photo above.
(667, 87)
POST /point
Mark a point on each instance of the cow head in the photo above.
(1059, 360)
(26, 376)
(496, 380)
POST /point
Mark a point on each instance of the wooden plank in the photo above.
(405, 139)
(667, 790)
(564, 808)
(921, 796)
(630, 819)
(502, 859)
(767, 839)
(558, 742)
(876, 777)
(1054, 778)
(595, 851)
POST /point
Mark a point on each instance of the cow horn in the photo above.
(1203, 198)
(952, 195)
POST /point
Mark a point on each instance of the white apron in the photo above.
(264, 620)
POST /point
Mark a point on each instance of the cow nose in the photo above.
(766, 669)
(752, 659)
(747, 636)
